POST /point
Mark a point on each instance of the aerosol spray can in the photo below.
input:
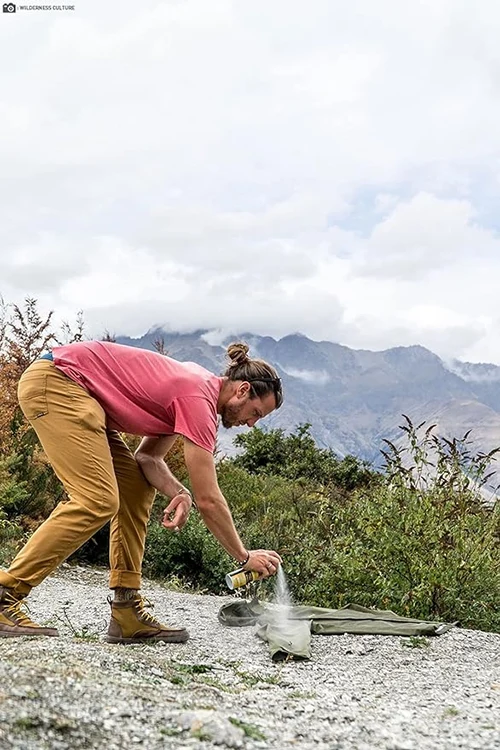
(240, 577)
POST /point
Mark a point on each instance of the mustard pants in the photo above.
(99, 473)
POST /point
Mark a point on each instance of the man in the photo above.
(78, 398)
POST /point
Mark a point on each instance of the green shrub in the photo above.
(28, 485)
(422, 542)
(95, 551)
(192, 556)
(11, 538)
(416, 553)
(196, 557)
(296, 456)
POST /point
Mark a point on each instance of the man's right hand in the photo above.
(266, 562)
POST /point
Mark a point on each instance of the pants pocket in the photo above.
(32, 394)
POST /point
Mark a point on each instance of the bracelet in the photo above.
(244, 562)
(185, 491)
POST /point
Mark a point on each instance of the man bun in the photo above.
(262, 376)
(238, 354)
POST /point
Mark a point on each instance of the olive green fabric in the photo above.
(288, 639)
(291, 636)
(240, 613)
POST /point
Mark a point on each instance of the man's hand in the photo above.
(179, 506)
(264, 561)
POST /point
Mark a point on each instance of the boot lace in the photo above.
(142, 603)
(20, 617)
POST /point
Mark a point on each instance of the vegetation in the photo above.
(296, 456)
(416, 538)
(28, 488)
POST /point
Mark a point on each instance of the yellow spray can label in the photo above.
(240, 577)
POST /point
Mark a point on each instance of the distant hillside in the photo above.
(354, 398)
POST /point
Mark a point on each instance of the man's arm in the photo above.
(215, 512)
(150, 456)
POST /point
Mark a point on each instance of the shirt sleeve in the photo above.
(195, 418)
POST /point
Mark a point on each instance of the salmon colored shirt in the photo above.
(143, 392)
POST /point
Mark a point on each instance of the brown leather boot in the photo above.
(130, 623)
(13, 621)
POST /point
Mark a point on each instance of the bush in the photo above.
(193, 556)
(296, 456)
(11, 539)
(420, 542)
(95, 551)
(424, 555)
(11, 533)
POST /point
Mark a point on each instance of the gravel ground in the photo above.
(222, 690)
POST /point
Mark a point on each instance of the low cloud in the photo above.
(474, 373)
(312, 377)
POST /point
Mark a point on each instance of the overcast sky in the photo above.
(320, 166)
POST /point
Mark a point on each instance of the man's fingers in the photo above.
(177, 509)
(173, 525)
(175, 518)
(178, 520)
(171, 507)
(265, 562)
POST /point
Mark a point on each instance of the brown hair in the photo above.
(262, 377)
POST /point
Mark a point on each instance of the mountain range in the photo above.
(354, 398)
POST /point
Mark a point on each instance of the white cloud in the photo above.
(474, 373)
(423, 234)
(267, 166)
(315, 377)
(216, 337)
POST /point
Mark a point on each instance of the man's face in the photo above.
(241, 409)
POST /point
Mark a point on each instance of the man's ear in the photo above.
(243, 389)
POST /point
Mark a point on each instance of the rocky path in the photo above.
(222, 690)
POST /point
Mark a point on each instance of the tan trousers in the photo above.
(99, 473)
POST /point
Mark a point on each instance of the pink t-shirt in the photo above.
(143, 392)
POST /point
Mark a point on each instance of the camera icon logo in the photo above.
(9, 8)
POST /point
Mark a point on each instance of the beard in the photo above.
(230, 416)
